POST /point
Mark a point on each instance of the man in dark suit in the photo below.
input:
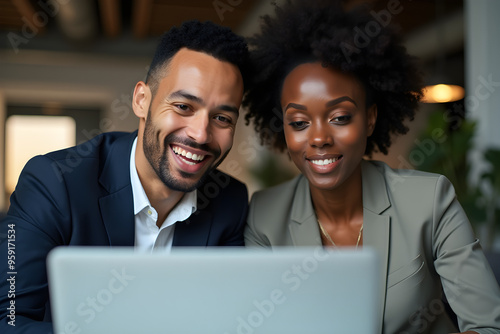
(153, 189)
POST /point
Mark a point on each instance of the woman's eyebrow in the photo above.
(328, 104)
(296, 106)
(339, 100)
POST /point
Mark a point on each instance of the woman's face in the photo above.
(326, 123)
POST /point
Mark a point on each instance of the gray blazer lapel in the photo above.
(305, 233)
(304, 226)
(377, 227)
(376, 235)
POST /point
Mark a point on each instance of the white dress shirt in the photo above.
(148, 237)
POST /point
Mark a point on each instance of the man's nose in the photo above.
(198, 128)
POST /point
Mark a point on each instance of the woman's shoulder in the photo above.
(407, 181)
(404, 172)
(278, 196)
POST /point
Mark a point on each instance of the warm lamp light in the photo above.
(442, 93)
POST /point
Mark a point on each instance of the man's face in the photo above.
(190, 122)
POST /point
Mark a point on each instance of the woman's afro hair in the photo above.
(354, 42)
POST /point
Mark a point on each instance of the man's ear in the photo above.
(371, 118)
(141, 99)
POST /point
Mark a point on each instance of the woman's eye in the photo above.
(342, 119)
(298, 125)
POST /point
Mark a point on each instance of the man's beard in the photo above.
(159, 161)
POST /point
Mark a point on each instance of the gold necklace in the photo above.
(330, 239)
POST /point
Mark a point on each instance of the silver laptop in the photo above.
(214, 291)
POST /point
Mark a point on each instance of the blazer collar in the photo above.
(377, 226)
(117, 207)
(115, 173)
(304, 228)
(375, 197)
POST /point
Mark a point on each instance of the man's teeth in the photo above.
(179, 151)
(324, 162)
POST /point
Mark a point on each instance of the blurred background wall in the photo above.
(75, 63)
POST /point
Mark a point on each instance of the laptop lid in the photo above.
(213, 290)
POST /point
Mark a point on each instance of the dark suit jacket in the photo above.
(83, 196)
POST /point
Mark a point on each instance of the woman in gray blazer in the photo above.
(331, 88)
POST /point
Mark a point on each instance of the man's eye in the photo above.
(183, 107)
(298, 125)
(223, 119)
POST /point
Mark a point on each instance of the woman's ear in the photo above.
(371, 118)
(141, 99)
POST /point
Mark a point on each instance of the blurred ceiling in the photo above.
(89, 21)
(110, 18)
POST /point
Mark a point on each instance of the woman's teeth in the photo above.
(325, 161)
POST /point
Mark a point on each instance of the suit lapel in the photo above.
(377, 227)
(303, 227)
(194, 231)
(118, 216)
(376, 235)
(305, 233)
(117, 207)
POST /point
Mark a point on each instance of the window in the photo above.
(34, 130)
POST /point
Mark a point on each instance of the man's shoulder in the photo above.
(80, 160)
(412, 189)
(91, 148)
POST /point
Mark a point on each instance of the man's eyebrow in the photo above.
(186, 95)
(339, 100)
(229, 108)
(183, 94)
(296, 106)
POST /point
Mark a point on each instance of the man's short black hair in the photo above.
(323, 31)
(207, 37)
